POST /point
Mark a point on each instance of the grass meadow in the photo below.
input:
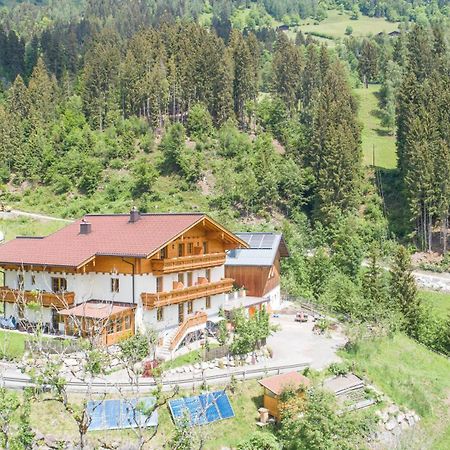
(373, 135)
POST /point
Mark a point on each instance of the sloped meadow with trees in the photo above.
(169, 106)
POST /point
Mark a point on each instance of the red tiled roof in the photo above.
(95, 310)
(277, 383)
(111, 235)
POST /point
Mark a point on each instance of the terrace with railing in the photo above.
(156, 300)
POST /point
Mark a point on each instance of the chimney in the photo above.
(85, 227)
(134, 215)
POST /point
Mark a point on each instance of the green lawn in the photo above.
(21, 226)
(227, 433)
(335, 25)
(374, 136)
(12, 344)
(413, 377)
(440, 301)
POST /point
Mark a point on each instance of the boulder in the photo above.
(393, 409)
(390, 424)
(400, 417)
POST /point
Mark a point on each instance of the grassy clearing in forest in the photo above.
(413, 377)
(336, 23)
(373, 134)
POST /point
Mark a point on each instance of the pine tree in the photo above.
(287, 68)
(374, 287)
(403, 290)
(42, 93)
(244, 80)
(100, 78)
(334, 151)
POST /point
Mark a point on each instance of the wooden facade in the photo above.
(257, 280)
(108, 331)
(49, 299)
(185, 294)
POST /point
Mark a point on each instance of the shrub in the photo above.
(259, 441)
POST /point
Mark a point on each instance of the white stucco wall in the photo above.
(275, 297)
(98, 286)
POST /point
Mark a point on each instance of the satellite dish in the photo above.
(2, 236)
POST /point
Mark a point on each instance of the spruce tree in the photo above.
(403, 290)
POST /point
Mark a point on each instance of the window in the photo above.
(189, 278)
(110, 327)
(127, 322)
(208, 302)
(180, 249)
(272, 272)
(59, 284)
(181, 278)
(205, 247)
(115, 285)
(159, 284)
(180, 312)
(33, 280)
(190, 248)
(160, 314)
(163, 253)
(119, 325)
(208, 274)
(190, 307)
(20, 281)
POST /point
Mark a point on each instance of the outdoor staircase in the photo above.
(164, 352)
(173, 338)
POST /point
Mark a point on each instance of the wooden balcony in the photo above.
(199, 318)
(191, 262)
(187, 293)
(48, 299)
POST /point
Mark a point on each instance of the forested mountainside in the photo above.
(247, 110)
(259, 128)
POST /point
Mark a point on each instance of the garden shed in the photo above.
(275, 385)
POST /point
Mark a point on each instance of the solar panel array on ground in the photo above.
(201, 409)
(124, 413)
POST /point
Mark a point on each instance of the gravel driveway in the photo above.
(296, 342)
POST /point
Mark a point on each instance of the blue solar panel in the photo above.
(115, 414)
(205, 408)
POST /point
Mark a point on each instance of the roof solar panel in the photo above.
(202, 409)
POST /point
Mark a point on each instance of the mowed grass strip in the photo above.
(373, 135)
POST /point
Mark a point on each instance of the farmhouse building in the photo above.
(123, 273)
(257, 267)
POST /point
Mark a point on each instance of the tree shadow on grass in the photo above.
(396, 207)
(376, 113)
(383, 132)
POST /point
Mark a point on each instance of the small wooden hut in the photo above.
(274, 386)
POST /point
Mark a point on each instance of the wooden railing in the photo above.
(50, 299)
(163, 266)
(199, 318)
(151, 300)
